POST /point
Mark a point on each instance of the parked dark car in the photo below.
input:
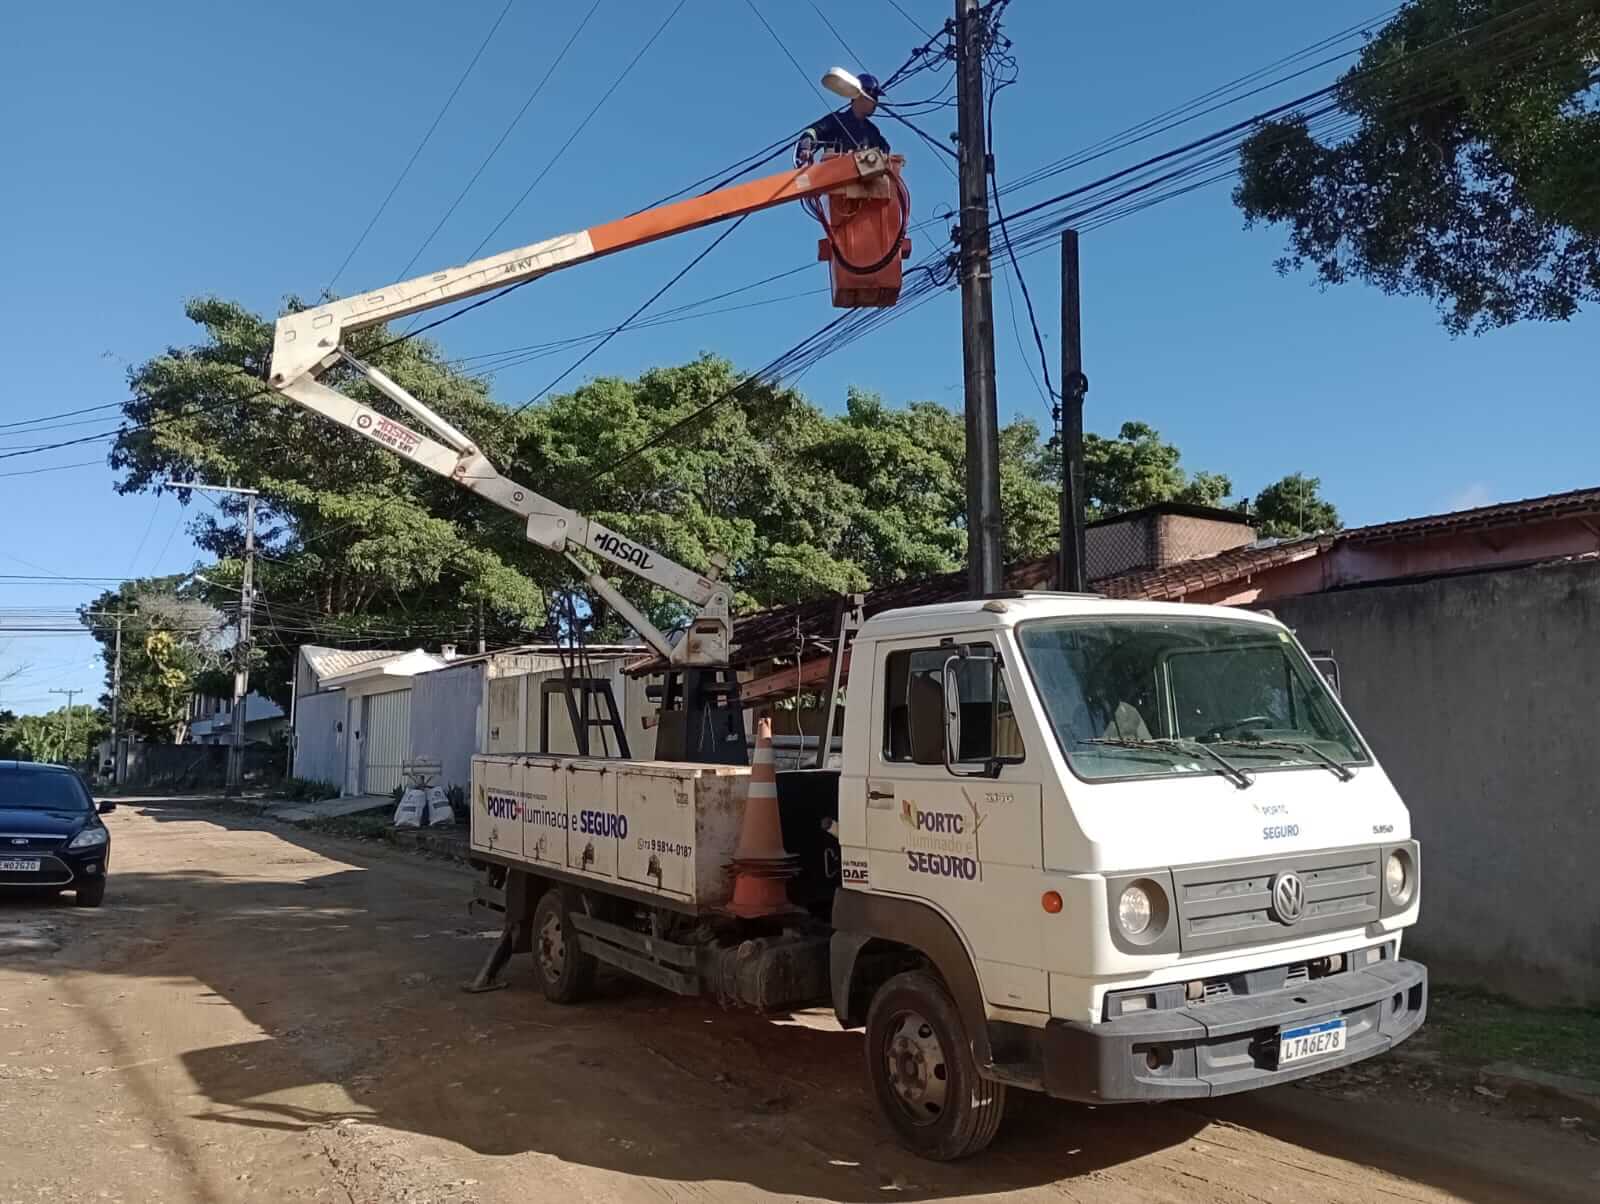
(51, 837)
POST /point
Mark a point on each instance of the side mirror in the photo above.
(952, 721)
(1329, 668)
(106, 807)
(952, 713)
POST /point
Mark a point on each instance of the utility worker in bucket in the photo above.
(846, 130)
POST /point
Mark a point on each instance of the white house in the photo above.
(353, 726)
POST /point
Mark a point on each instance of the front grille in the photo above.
(1229, 904)
(52, 871)
(18, 844)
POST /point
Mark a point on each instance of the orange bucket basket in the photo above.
(866, 223)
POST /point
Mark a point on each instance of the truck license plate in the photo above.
(21, 865)
(1310, 1041)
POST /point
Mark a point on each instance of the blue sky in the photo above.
(157, 152)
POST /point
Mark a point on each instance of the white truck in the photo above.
(1106, 850)
(1111, 851)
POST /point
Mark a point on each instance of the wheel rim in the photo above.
(552, 947)
(919, 1074)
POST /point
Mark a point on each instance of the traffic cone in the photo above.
(761, 864)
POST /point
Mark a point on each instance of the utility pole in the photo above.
(985, 530)
(1074, 570)
(70, 694)
(116, 706)
(241, 647)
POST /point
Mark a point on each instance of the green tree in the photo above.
(1138, 468)
(357, 543)
(62, 736)
(171, 638)
(1294, 506)
(1472, 174)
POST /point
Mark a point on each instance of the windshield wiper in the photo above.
(1338, 768)
(1224, 766)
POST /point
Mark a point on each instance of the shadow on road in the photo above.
(348, 960)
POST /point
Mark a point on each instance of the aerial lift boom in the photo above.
(308, 343)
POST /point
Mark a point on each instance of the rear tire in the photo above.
(566, 973)
(923, 1072)
(90, 894)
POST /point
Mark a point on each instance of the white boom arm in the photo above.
(307, 343)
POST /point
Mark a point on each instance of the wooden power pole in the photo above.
(1073, 572)
(985, 530)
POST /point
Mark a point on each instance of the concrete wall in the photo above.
(1479, 694)
(318, 742)
(445, 719)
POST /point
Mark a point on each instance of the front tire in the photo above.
(924, 1074)
(90, 893)
(566, 972)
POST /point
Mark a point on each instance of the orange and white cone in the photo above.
(761, 864)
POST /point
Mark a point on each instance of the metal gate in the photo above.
(385, 739)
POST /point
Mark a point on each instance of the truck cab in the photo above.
(1113, 851)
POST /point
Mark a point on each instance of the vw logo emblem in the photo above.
(1288, 897)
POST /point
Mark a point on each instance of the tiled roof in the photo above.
(326, 662)
(1536, 509)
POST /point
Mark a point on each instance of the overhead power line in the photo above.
(500, 141)
(327, 289)
(581, 126)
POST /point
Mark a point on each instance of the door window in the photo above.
(914, 707)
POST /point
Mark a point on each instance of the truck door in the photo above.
(965, 837)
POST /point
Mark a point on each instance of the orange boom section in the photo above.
(866, 222)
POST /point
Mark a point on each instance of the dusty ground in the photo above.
(262, 1014)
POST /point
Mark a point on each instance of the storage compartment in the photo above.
(658, 808)
(545, 823)
(594, 827)
(498, 802)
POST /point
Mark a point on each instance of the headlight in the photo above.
(1397, 876)
(1134, 910)
(89, 838)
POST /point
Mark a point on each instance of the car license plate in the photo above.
(20, 865)
(1310, 1041)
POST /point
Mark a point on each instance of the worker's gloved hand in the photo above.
(805, 150)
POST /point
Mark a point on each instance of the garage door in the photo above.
(386, 738)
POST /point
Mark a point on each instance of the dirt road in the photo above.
(261, 1014)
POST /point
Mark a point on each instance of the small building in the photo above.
(353, 726)
(361, 715)
(211, 720)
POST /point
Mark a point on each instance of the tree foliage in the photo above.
(62, 736)
(1294, 506)
(171, 639)
(359, 547)
(1472, 176)
(1138, 468)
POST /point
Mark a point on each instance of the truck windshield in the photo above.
(1135, 697)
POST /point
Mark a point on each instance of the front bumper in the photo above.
(58, 867)
(1231, 1045)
